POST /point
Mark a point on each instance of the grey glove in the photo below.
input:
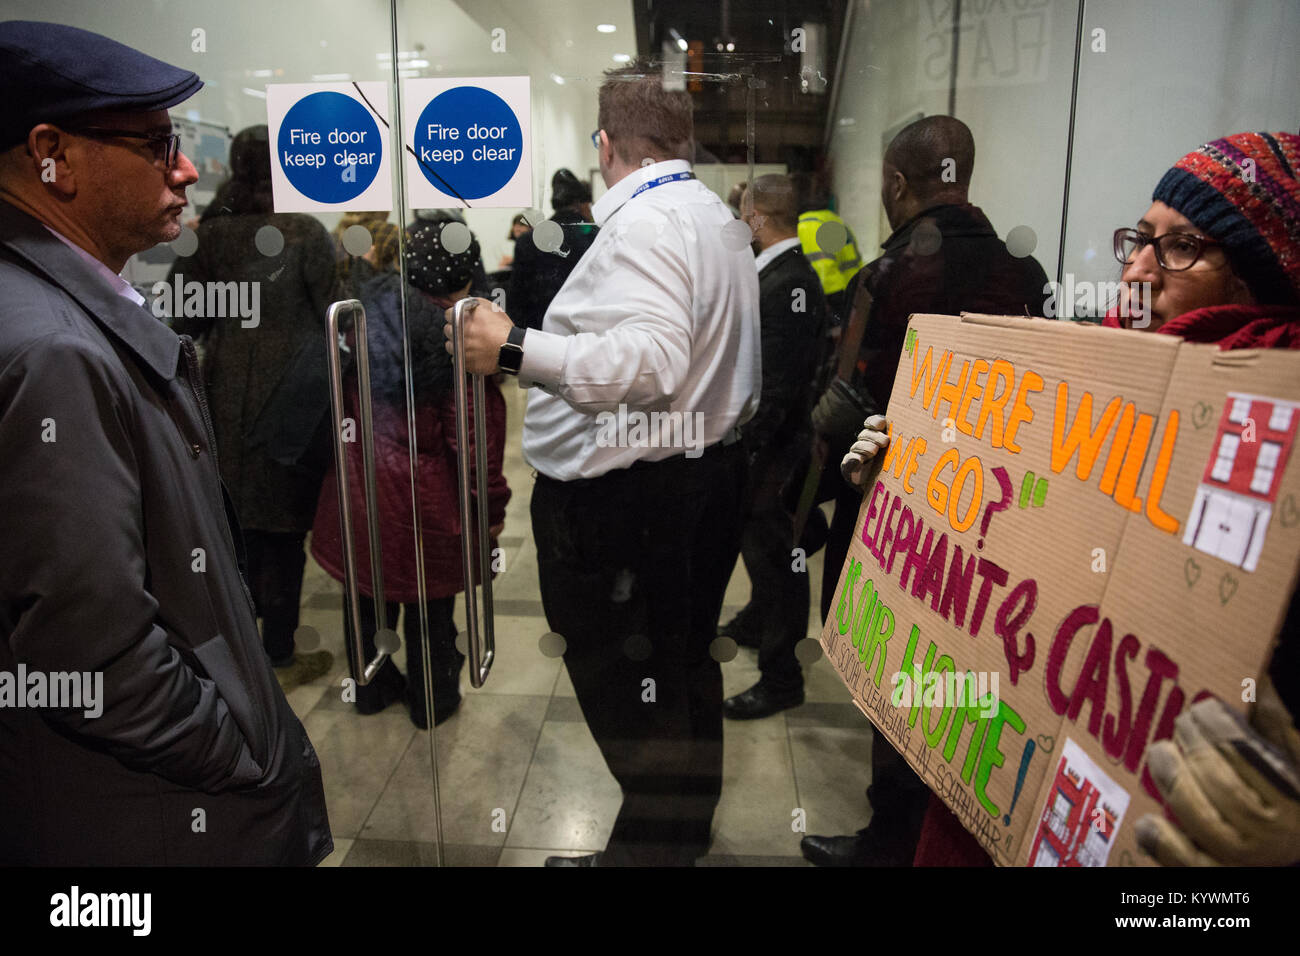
(1234, 787)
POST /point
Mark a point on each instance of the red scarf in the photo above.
(1233, 326)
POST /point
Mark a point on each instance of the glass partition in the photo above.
(1076, 110)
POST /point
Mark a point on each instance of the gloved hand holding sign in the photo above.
(1234, 787)
(871, 441)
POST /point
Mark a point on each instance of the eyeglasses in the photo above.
(166, 146)
(1175, 251)
(595, 139)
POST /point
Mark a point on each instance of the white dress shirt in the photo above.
(774, 250)
(115, 281)
(660, 315)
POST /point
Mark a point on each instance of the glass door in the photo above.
(425, 759)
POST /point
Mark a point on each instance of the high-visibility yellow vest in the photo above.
(834, 267)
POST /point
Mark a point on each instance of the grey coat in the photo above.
(100, 572)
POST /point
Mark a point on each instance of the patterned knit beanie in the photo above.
(1244, 191)
(433, 269)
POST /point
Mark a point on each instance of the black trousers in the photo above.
(897, 795)
(633, 566)
(275, 565)
(779, 595)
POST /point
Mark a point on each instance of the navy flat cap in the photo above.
(50, 72)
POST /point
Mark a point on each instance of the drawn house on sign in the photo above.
(1234, 501)
(1081, 816)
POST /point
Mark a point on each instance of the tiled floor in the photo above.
(519, 775)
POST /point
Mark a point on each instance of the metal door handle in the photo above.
(356, 650)
(481, 652)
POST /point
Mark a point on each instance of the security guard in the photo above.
(828, 244)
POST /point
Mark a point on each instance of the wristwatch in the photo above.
(511, 355)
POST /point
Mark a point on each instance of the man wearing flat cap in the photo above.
(119, 555)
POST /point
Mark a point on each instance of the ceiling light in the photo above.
(260, 94)
(605, 28)
(557, 78)
(622, 58)
(731, 47)
(681, 44)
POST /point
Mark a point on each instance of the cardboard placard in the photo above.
(1075, 533)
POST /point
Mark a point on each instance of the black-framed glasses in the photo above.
(595, 139)
(1175, 251)
(166, 146)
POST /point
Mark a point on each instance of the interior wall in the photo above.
(1147, 101)
(1015, 66)
(1165, 77)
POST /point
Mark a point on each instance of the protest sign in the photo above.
(1074, 534)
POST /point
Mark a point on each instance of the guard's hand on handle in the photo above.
(486, 330)
(871, 441)
(1234, 787)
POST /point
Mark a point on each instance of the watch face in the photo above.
(510, 358)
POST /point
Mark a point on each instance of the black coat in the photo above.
(537, 276)
(268, 384)
(793, 315)
(969, 271)
(100, 572)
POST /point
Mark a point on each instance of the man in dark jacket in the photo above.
(540, 271)
(120, 557)
(792, 319)
(943, 257)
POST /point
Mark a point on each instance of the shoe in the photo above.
(588, 860)
(446, 693)
(303, 669)
(388, 687)
(741, 629)
(760, 701)
(860, 849)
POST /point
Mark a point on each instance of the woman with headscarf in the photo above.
(267, 382)
(1220, 249)
(438, 278)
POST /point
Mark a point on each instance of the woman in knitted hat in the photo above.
(1220, 245)
(438, 278)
